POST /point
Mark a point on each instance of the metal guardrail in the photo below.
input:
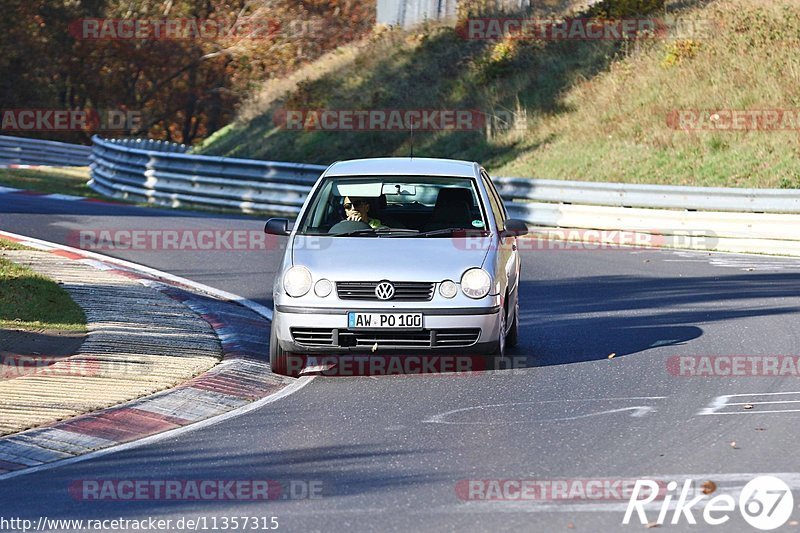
(164, 174)
(651, 196)
(147, 144)
(742, 220)
(25, 151)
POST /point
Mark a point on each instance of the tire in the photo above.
(278, 357)
(513, 334)
(499, 350)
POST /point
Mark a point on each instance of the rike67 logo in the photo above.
(765, 503)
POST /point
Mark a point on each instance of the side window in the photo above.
(497, 204)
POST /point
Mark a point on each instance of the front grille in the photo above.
(455, 337)
(385, 339)
(404, 291)
(426, 338)
(313, 336)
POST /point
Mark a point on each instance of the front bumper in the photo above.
(445, 330)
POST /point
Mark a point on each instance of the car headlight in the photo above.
(476, 283)
(448, 289)
(297, 281)
(323, 287)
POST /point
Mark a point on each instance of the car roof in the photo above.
(403, 166)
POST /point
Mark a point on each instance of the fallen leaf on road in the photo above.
(709, 487)
(612, 355)
(652, 525)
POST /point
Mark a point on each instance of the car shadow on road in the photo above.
(590, 318)
(208, 476)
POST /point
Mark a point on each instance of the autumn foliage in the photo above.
(184, 82)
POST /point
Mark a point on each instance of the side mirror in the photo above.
(515, 228)
(277, 226)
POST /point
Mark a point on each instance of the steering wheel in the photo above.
(346, 226)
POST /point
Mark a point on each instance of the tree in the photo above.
(185, 84)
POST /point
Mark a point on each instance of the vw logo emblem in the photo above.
(384, 291)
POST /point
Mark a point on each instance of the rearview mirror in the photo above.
(515, 228)
(395, 189)
(277, 226)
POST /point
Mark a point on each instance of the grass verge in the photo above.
(5, 244)
(66, 180)
(580, 110)
(32, 302)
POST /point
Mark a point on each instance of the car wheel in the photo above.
(278, 357)
(499, 346)
(513, 334)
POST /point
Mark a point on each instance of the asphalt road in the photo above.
(394, 452)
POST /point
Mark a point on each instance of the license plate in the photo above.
(384, 320)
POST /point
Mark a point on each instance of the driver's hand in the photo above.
(355, 217)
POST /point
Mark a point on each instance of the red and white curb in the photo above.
(28, 166)
(34, 167)
(54, 196)
(242, 382)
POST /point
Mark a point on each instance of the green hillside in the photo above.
(598, 110)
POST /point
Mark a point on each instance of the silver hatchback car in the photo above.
(396, 256)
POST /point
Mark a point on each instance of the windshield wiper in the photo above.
(404, 231)
(360, 231)
(377, 231)
(447, 231)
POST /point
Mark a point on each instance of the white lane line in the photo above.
(38, 245)
(764, 403)
(755, 412)
(664, 342)
(720, 402)
(291, 389)
(67, 197)
(225, 295)
(99, 265)
(638, 410)
(736, 260)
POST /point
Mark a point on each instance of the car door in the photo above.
(508, 255)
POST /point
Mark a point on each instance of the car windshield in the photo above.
(405, 206)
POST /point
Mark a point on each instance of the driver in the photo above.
(357, 209)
